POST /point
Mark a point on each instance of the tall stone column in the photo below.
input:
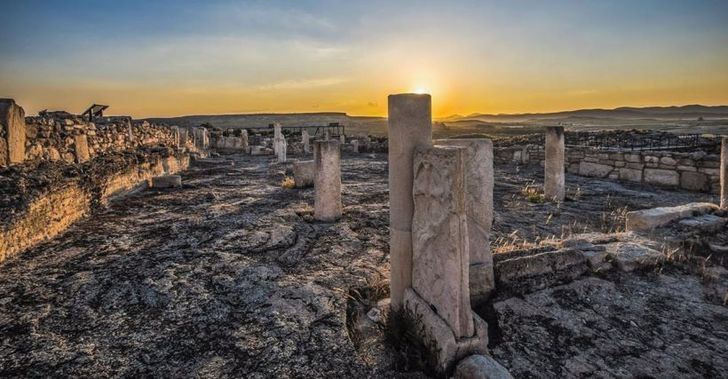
(12, 133)
(479, 211)
(327, 180)
(409, 128)
(305, 140)
(724, 173)
(554, 186)
(279, 143)
(244, 141)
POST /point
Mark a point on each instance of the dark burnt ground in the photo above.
(229, 275)
(592, 205)
(622, 325)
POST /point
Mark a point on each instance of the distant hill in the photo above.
(258, 120)
(684, 119)
(672, 113)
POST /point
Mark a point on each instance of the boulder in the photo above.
(167, 181)
(481, 367)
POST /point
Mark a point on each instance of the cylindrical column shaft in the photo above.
(410, 127)
(327, 180)
(554, 187)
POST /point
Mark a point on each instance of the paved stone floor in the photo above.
(230, 276)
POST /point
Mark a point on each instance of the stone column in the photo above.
(724, 173)
(479, 211)
(327, 180)
(244, 141)
(440, 270)
(554, 186)
(176, 137)
(305, 140)
(279, 143)
(409, 127)
(80, 145)
(342, 140)
(12, 133)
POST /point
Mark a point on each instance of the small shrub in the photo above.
(288, 183)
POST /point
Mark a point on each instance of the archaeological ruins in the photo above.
(133, 248)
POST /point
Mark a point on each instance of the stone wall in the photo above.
(693, 171)
(39, 200)
(54, 136)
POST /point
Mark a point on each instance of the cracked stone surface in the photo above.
(226, 276)
(657, 325)
(230, 276)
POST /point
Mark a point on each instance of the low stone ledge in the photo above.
(535, 272)
(167, 181)
(649, 219)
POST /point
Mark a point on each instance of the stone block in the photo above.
(630, 256)
(694, 181)
(635, 166)
(594, 170)
(12, 131)
(668, 161)
(167, 181)
(481, 367)
(633, 158)
(648, 219)
(554, 173)
(327, 181)
(440, 261)
(630, 175)
(662, 177)
(80, 145)
(303, 173)
(436, 334)
(479, 211)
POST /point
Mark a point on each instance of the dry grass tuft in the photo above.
(288, 183)
(532, 194)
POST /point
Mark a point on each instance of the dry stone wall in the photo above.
(697, 171)
(68, 138)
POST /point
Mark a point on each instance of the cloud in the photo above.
(302, 84)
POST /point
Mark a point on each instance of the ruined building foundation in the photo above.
(479, 209)
(409, 127)
(554, 187)
(327, 180)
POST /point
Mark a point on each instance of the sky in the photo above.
(165, 58)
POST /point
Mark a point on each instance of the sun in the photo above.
(421, 90)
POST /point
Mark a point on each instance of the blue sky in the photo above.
(182, 57)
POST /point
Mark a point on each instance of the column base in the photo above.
(444, 349)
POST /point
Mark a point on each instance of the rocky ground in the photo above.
(230, 276)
